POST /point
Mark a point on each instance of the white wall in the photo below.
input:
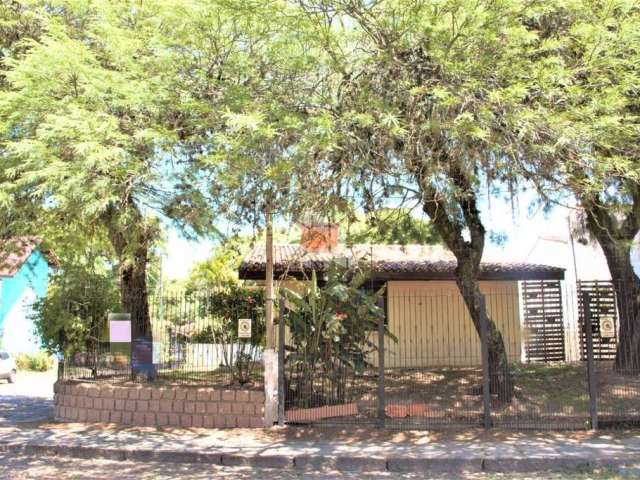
(19, 335)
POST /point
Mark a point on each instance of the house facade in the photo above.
(24, 276)
(425, 313)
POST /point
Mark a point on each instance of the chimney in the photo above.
(319, 237)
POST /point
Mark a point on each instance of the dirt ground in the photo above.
(553, 396)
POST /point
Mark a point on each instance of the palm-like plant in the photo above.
(332, 335)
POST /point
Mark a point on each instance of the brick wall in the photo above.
(179, 406)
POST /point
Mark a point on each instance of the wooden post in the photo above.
(591, 374)
(486, 381)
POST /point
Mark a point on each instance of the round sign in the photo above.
(607, 327)
(634, 254)
(244, 328)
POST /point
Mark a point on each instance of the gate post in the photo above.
(486, 383)
(381, 399)
(591, 374)
(281, 333)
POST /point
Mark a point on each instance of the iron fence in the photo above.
(424, 364)
(178, 337)
(430, 371)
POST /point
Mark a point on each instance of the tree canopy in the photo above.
(585, 109)
(118, 118)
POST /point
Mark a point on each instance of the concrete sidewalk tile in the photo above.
(33, 449)
(533, 464)
(93, 452)
(175, 456)
(434, 465)
(360, 464)
(314, 462)
(257, 461)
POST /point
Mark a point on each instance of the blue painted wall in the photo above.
(34, 274)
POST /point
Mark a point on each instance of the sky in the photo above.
(520, 225)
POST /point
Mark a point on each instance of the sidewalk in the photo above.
(349, 449)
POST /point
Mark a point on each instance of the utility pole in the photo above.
(268, 310)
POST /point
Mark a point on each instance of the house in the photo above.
(24, 275)
(423, 306)
(583, 261)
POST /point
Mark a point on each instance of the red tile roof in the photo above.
(14, 252)
(389, 262)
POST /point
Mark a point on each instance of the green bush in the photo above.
(73, 314)
(37, 362)
(330, 335)
(222, 308)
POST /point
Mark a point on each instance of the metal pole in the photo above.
(381, 399)
(591, 374)
(60, 369)
(486, 383)
(281, 333)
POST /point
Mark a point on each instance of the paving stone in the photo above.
(434, 465)
(360, 464)
(258, 461)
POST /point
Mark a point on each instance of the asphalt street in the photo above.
(29, 400)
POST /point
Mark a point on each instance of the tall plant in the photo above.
(331, 337)
(223, 308)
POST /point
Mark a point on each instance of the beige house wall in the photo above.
(433, 326)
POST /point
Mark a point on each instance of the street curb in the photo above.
(310, 463)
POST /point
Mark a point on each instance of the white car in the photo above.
(8, 368)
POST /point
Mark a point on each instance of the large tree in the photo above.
(424, 91)
(84, 137)
(584, 121)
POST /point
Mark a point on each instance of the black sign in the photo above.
(142, 356)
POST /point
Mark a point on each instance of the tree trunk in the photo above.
(627, 288)
(468, 253)
(131, 243)
(501, 382)
(615, 238)
(133, 284)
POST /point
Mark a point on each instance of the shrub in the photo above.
(72, 317)
(222, 308)
(330, 335)
(36, 362)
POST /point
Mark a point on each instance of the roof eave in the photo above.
(247, 274)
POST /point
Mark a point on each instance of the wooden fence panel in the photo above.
(543, 321)
(602, 299)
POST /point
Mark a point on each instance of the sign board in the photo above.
(119, 327)
(142, 357)
(244, 328)
(158, 347)
(607, 327)
(634, 254)
(142, 352)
